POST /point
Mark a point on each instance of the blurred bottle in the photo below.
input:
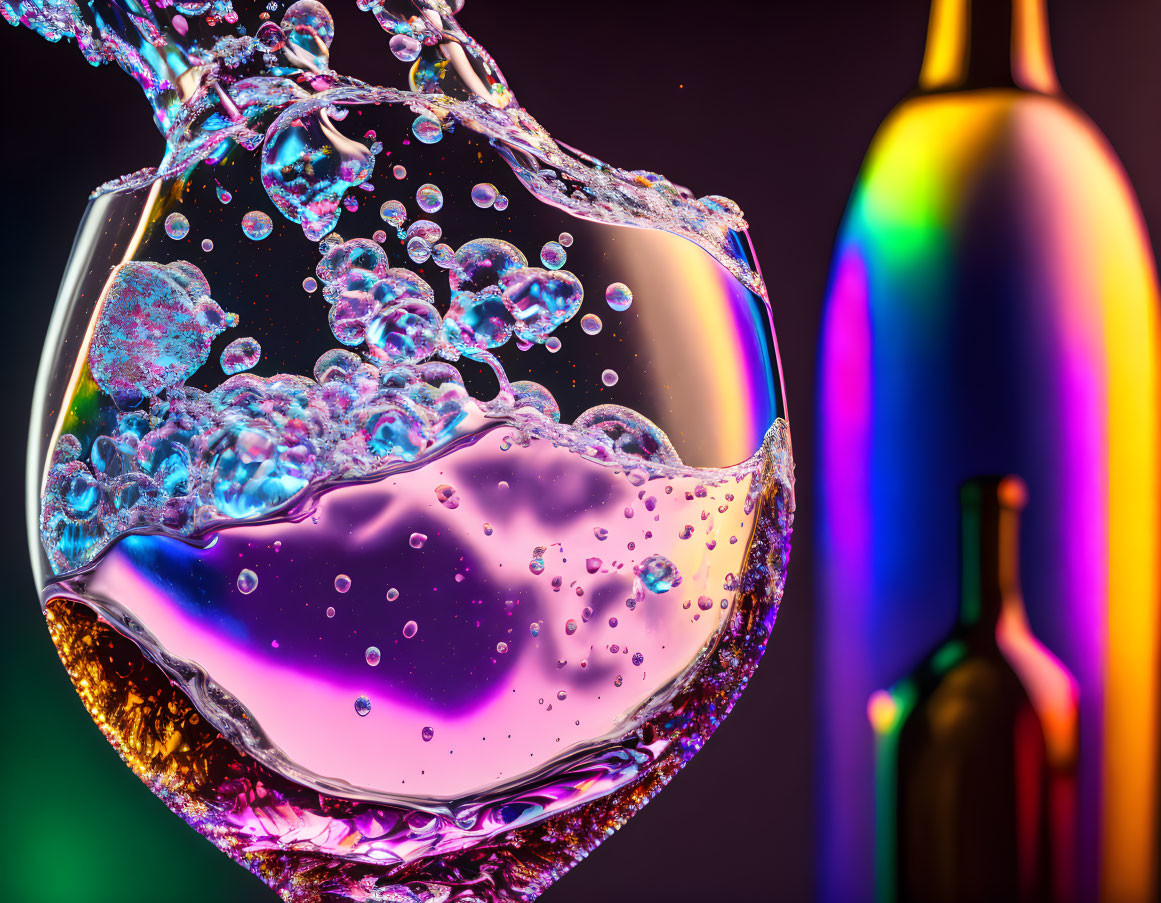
(976, 748)
(992, 309)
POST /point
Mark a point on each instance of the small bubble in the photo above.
(534, 628)
(417, 540)
(586, 614)
(638, 658)
(501, 202)
(609, 377)
(613, 622)
(427, 130)
(618, 296)
(502, 485)
(705, 603)
(176, 226)
(410, 629)
(310, 284)
(404, 47)
(392, 594)
(240, 355)
(553, 344)
(379, 235)
(552, 255)
(393, 212)
(247, 581)
(427, 733)
(446, 496)
(565, 239)
(429, 197)
(223, 195)
(501, 647)
(342, 583)
(362, 706)
(562, 695)
(484, 194)
(591, 324)
(330, 612)
(592, 565)
(570, 627)
(418, 250)
(487, 529)
(399, 172)
(256, 225)
(373, 656)
(207, 245)
(443, 255)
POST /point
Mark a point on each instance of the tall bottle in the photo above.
(976, 749)
(992, 309)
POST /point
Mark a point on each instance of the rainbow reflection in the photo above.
(992, 308)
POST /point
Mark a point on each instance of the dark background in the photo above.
(772, 104)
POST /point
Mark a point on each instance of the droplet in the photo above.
(658, 574)
(373, 656)
(592, 565)
(705, 603)
(362, 706)
(619, 296)
(330, 611)
(393, 212)
(417, 540)
(241, 354)
(487, 529)
(591, 324)
(418, 250)
(446, 495)
(609, 377)
(247, 581)
(310, 284)
(570, 627)
(176, 226)
(404, 47)
(484, 194)
(534, 628)
(501, 202)
(427, 733)
(224, 196)
(565, 239)
(207, 245)
(256, 225)
(613, 622)
(410, 629)
(400, 172)
(392, 594)
(501, 647)
(553, 344)
(552, 255)
(638, 658)
(562, 695)
(379, 235)
(427, 130)
(429, 197)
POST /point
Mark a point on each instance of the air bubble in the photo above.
(256, 225)
(591, 324)
(484, 194)
(609, 377)
(373, 656)
(207, 245)
(392, 594)
(552, 255)
(570, 627)
(404, 47)
(417, 540)
(400, 172)
(247, 581)
(362, 706)
(410, 629)
(330, 611)
(565, 239)
(393, 212)
(427, 130)
(429, 197)
(501, 647)
(342, 583)
(501, 202)
(241, 354)
(427, 733)
(619, 296)
(176, 226)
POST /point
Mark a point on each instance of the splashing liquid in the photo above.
(257, 493)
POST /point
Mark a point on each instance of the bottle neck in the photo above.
(974, 44)
(990, 548)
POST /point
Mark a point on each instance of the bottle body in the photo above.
(992, 307)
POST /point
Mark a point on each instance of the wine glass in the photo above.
(405, 563)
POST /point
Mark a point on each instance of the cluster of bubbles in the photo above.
(185, 459)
